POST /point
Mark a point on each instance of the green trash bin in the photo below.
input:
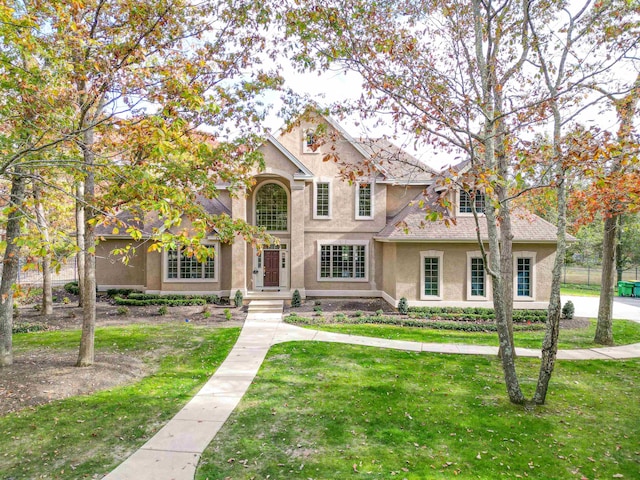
(636, 289)
(625, 289)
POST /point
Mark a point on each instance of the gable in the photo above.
(279, 160)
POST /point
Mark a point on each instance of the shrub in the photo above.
(237, 299)
(403, 306)
(227, 314)
(358, 314)
(339, 317)
(26, 327)
(317, 302)
(568, 310)
(162, 310)
(296, 301)
(379, 313)
(206, 314)
(122, 310)
(72, 288)
(66, 300)
(124, 292)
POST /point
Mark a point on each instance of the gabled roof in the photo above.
(410, 225)
(304, 173)
(395, 164)
(151, 222)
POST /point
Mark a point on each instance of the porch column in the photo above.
(239, 247)
(298, 210)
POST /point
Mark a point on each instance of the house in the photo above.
(367, 238)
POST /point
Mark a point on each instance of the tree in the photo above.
(138, 78)
(463, 77)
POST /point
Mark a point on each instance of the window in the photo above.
(309, 142)
(364, 201)
(181, 266)
(465, 202)
(524, 271)
(431, 275)
(272, 207)
(524, 277)
(322, 200)
(478, 286)
(343, 261)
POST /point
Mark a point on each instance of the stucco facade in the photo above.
(338, 238)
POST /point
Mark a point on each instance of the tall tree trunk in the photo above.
(88, 282)
(80, 236)
(10, 266)
(619, 259)
(604, 330)
(550, 341)
(43, 227)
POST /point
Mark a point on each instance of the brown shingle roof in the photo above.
(396, 164)
(411, 225)
(152, 222)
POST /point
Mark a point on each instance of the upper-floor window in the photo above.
(322, 200)
(309, 142)
(272, 207)
(466, 202)
(364, 201)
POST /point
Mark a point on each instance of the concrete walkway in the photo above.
(173, 453)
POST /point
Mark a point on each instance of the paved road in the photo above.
(626, 308)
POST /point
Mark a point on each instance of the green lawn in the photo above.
(329, 411)
(580, 290)
(624, 332)
(87, 435)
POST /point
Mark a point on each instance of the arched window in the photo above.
(271, 207)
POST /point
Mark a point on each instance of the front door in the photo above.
(271, 268)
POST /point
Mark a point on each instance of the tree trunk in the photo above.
(88, 282)
(10, 266)
(41, 221)
(619, 259)
(80, 236)
(604, 331)
(550, 341)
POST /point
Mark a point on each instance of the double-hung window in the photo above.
(343, 261)
(181, 266)
(364, 201)
(322, 200)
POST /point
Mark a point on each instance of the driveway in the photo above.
(626, 308)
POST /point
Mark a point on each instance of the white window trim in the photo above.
(532, 256)
(437, 254)
(255, 213)
(315, 199)
(322, 243)
(372, 185)
(467, 214)
(306, 148)
(487, 283)
(216, 267)
(284, 272)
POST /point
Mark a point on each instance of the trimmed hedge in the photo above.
(139, 299)
(459, 325)
(475, 313)
(170, 302)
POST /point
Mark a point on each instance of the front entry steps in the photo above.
(266, 306)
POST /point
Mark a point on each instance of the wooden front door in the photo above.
(271, 268)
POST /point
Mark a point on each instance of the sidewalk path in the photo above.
(624, 308)
(173, 453)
